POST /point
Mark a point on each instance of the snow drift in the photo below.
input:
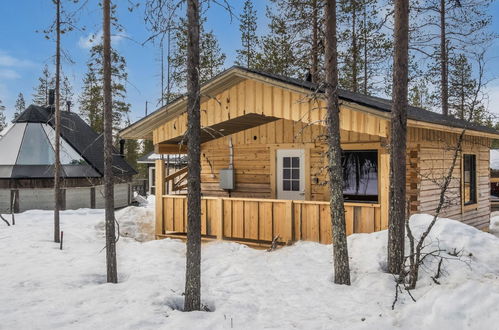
(43, 287)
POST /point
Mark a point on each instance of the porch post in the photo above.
(160, 189)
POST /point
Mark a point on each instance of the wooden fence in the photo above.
(260, 220)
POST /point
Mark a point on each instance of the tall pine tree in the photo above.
(365, 46)
(212, 58)
(277, 53)
(41, 92)
(249, 40)
(91, 99)
(462, 91)
(20, 105)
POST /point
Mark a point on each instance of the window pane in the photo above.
(296, 162)
(469, 179)
(360, 175)
(35, 148)
(286, 185)
(296, 174)
(286, 174)
(295, 185)
(286, 162)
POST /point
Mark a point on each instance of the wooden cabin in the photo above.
(264, 161)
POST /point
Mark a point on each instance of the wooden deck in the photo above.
(259, 221)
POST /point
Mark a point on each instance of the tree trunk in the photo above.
(57, 124)
(444, 62)
(355, 51)
(396, 228)
(340, 249)
(366, 59)
(193, 263)
(314, 70)
(112, 272)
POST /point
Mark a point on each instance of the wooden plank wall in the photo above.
(434, 157)
(252, 157)
(260, 220)
(251, 96)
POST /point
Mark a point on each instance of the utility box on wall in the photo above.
(227, 178)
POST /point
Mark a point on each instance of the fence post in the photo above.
(220, 219)
(160, 187)
(287, 236)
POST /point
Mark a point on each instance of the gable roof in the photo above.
(77, 138)
(143, 127)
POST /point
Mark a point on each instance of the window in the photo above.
(291, 174)
(360, 175)
(469, 179)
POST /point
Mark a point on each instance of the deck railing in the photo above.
(262, 220)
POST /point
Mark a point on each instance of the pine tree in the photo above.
(20, 105)
(192, 300)
(92, 100)
(46, 82)
(277, 54)
(249, 40)
(3, 122)
(67, 93)
(462, 89)
(443, 27)
(398, 141)
(212, 58)
(304, 24)
(337, 208)
(366, 48)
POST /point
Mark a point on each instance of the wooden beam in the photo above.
(160, 187)
(170, 149)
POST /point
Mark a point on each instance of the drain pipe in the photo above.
(231, 154)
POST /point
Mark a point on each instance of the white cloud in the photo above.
(493, 98)
(10, 61)
(9, 74)
(92, 39)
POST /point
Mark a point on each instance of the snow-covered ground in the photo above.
(42, 287)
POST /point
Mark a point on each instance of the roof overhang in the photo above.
(143, 128)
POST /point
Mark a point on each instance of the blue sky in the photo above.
(24, 52)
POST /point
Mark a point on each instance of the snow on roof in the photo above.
(151, 157)
(494, 159)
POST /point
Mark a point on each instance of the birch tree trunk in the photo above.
(340, 249)
(193, 262)
(57, 124)
(112, 272)
(396, 227)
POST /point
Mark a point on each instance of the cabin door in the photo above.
(290, 174)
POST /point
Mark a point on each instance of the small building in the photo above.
(173, 163)
(264, 160)
(27, 164)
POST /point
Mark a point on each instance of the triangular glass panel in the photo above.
(10, 143)
(35, 148)
(69, 156)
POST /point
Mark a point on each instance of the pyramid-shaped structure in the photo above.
(28, 147)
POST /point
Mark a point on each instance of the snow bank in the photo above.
(494, 223)
(43, 287)
(137, 222)
(494, 159)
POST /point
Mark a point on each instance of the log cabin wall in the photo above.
(431, 156)
(253, 150)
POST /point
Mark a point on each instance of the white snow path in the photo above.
(42, 287)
